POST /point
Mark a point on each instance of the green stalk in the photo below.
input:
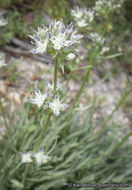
(42, 133)
(3, 115)
(81, 88)
(36, 146)
(122, 142)
(114, 110)
(55, 75)
(69, 78)
(26, 173)
(93, 57)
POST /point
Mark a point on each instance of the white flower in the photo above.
(100, 4)
(2, 61)
(56, 36)
(3, 22)
(106, 6)
(40, 157)
(58, 41)
(62, 36)
(81, 23)
(70, 56)
(96, 38)
(41, 47)
(80, 58)
(51, 86)
(39, 98)
(78, 13)
(90, 14)
(82, 16)
(104, 49)
(26, 157)
(56, 106)
(40, 40)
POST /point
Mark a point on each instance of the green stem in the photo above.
(42, 133)
(81, 88)
(93, 57)
(55, 75)
(3, 115)
(122, 142)
(69, 78)
(26, 173)
(114, 110)
(36, 146)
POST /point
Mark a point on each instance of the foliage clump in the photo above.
(80, 157)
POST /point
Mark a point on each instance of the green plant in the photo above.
(10, 73)
(80, 149)
(80, 157)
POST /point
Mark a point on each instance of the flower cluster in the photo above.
(55, 37)
(57, 106)
(3, 22)
(51, 86)
(70, 56)
(82, 16)
(41, 99)
(82, 55)
(96, 38)
(106, 6)
(104, 50)
(26, 157)
(40, 157)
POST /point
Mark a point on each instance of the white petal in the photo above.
(38, 163)
(32, 101)
(57, 97)
(56, 112)
(64, 106)
(37, 91)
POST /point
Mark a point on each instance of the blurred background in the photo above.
(24, 16)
